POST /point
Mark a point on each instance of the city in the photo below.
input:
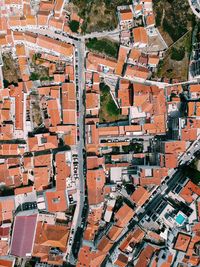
(99, 157)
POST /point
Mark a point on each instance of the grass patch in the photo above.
(104, 46)
(109, 112)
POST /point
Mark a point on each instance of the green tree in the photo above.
(178, 54)
(34, 76)
(74, 25)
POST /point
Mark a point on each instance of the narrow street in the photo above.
(80, 46)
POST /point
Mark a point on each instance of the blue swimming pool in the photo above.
(180, 219)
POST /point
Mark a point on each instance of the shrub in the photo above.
(178, 54)
(34, 76)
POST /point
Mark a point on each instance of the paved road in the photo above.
(193, 4)
(80, 50)
(101, 34)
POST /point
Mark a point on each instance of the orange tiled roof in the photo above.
(140, 195)
(145, 256)
(105, 244)
(175, 146)
(89, 258)
(7, 207)
(95, 183)
(140, 35)
(137, 71)
(63, 171)
(121, 260)
(57, 46)
(47, 237)
(182, 242)
(190, 192)
(124, 215)
(92, 101)
(114, 232)
(56, 201)
(122, 55)
(126, 15)
(94, 60)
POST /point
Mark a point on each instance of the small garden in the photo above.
(109, 112)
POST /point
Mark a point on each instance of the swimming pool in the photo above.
(180, 219)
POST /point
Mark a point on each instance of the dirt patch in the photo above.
(38, 72)
(10, 68)
(36, 111)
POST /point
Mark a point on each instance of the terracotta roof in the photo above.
(190, 192)
(155, 176)
(42, 160)
(57, 46)
(140, 195)
(47, 237)
(140, 35)
(175, 146)
(7, 206)
(94, 162)
(105, 244)
(92, 101)
(94, 60)
(114, 232)
(63, 171)
(135, 54)
(41, 177)
(121, 260)
(89, 258)
(126, 14)
(124, 215)
(56, 201)
(150, 19)
(6, 262)
(112, 130)
(122, 55)
(125, 93)
(95, 183)
(153, 60)
(58, 7)
(53, 111)
(137, 71)
(145, 256)
(182, 242)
